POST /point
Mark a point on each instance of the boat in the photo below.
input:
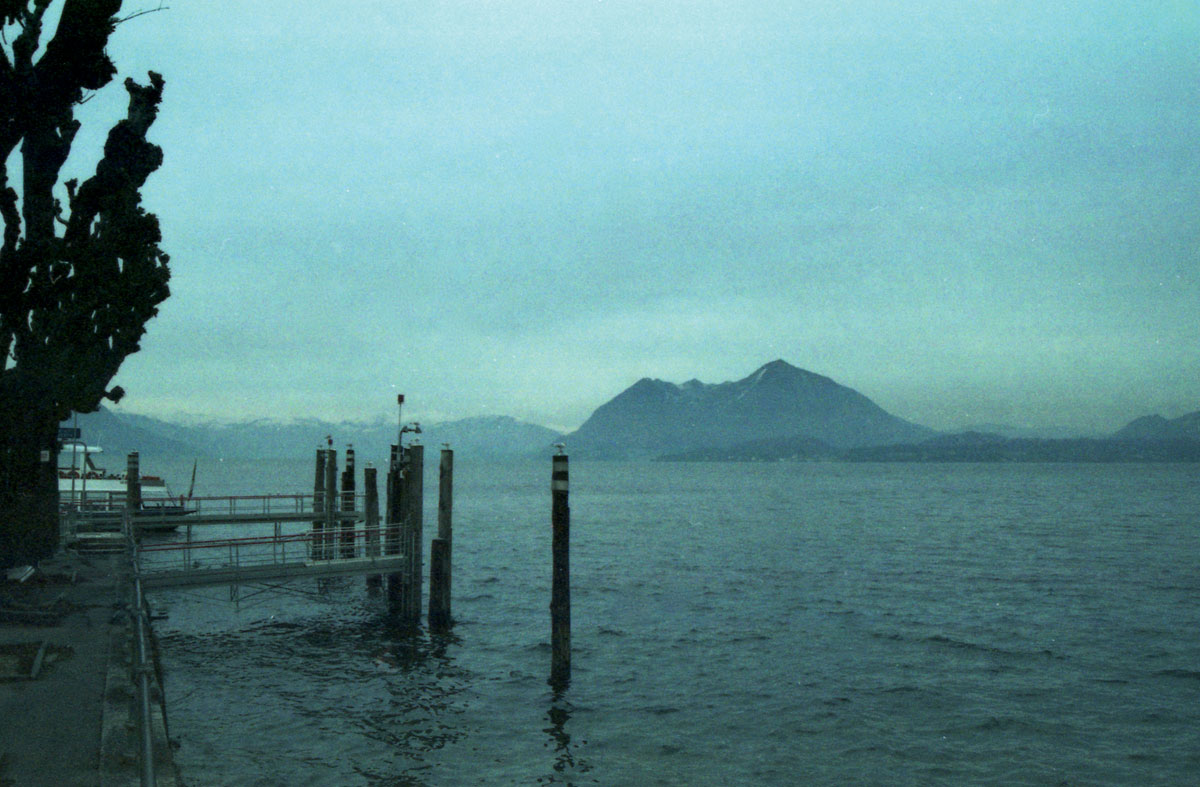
(95, 498)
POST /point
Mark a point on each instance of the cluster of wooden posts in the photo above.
(401, 532)
(334, 536)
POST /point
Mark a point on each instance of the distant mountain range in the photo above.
(485, 437)
(778, 413)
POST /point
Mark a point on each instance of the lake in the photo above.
(769, 624)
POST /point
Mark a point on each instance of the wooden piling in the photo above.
(318, 525)
(371, 510)
(391, 509)
(560, 591)
(348, 504)
(439, 584)
(331, 501)
(392, 534)
(414, 526)
(440, 548)
(445, 494)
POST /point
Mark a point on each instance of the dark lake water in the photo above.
(733, 624)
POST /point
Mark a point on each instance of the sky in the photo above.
(980, 212)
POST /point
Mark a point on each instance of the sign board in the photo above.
(45, 455)
(68, 433)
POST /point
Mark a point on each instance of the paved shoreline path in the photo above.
(66, 626)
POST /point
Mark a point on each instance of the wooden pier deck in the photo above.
(239, 573)
(264, 538)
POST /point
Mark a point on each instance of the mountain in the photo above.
(1155, 427)
(653, 417)
(486, 437)
(492, 437)
(120, 434)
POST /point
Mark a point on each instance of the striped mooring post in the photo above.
(560, 589)
(348, 503)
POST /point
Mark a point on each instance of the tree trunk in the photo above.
(28, 485)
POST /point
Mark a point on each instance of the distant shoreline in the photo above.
(955, 448)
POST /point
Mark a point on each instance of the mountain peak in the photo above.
(777, 400)
(778, 367)
(780, 371)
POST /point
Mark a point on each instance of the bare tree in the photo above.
(77, 282)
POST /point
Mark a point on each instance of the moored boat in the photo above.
(95, 498)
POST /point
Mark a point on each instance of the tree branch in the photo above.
(9, 288)
(5, 64)
(11, 10)
(26, 43)
(136, 14)
(47, 143)
(75, 59)
(128, 159)
(12, 218)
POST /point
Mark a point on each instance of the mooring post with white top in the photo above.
(560, 589)
(318, 524)
(348, 504)
(439, 548)
(371, 511)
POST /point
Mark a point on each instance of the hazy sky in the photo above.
(969, 212)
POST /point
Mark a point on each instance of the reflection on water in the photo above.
(566, 763)
(341, 692)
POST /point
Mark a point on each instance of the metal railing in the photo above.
(249, 553)
(142, 668)
(114, 503)
(262, 504)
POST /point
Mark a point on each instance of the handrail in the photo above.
(251, 552)
(141, 665)
(224, 542)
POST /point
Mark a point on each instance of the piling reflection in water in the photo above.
(566, 764)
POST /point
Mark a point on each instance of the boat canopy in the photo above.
(80, 448)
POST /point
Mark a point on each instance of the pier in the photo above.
(285, 553)
(336, 531)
